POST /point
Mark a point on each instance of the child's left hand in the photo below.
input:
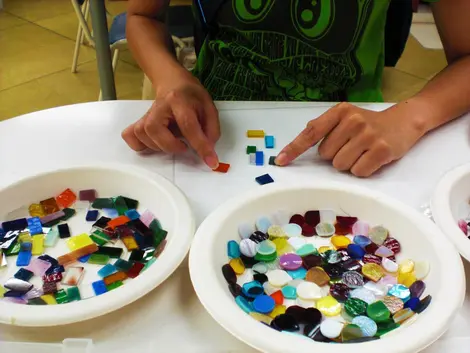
(356, 139)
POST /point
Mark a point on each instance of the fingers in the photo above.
(156, 129)
(379, 155)
(139, 132)
(132, 140)
(349, 154)
(188, 122)
(314, 132)
(346, 130)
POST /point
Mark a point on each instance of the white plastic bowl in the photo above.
(450, 203)
(153, 192)
(420, 238)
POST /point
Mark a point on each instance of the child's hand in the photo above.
(355, 139)
(183, 109)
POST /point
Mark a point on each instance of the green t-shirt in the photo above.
(295, 50)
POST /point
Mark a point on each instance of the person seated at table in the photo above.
(295, 50)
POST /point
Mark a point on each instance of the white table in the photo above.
(171, 318)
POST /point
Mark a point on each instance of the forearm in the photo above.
(152, 47)
(444, 98)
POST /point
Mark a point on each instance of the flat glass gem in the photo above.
(18, 285)
(50, 206)
(278, 278)
(363, 294)
(378, 234)
(325, 229)
(306, 249)
(282, 246)
(61, 297)
(265, 258)
(260, 267)
(233, 249)
(114, 285)
(353, 279)
(369, 258)
(290, 261)
(360, 228)
(296, 242)
(24, 258)
(423, 304)
(276, 231)
(412, 303)
(260, 277)
(310, 261)
(312, 217)
(261, 317)
(37, 244)
(389, 265)
(392, 244)
(263, 304)
(297, 219)
(23, 274)
(351, 265)
(107, 270)
(417, 289)
(356, 251)
(266, 247)
(38, 267)
(378, 289)
(36, 210)
(383, 251)
(258, 236)
(64, 231)
(340, 291)
(328, 216)
(73, 276)
(244, 304)
(355, 307)
(135, 270)
(87, 195)
(292, 230)
(340, 241)
(351, 332)
(115, 277)
(252, 289)
(367, 325)
(289, 292)
(300, 273)
(237, 266)
(406, 266)
(393, 304)
(318, 276)
(331, 328)
(73, 294)
(373, 272)
(79, 241)
(99, 259)
(66, 198)
(421, 269)
(400, 291)
(278, 310)
(262, 224)
(403, 315)
(361, 240)
(309, 291)
(329, 306)
(378, 311)
(308, 230)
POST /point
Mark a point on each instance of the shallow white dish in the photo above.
(450, 202)
(420, 238)
(154, 192)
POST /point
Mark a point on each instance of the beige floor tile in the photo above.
(35, 10)
(7, 20)
(64, 88)
(29, 52)
(398, 85)
(64, 24)
(421, 62)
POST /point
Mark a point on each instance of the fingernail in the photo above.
(212, 161)
(281, 159)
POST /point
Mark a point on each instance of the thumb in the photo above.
(316, 130)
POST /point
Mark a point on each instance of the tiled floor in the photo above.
(37, 40)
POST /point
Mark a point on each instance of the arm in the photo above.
(150, 41)
(447, 95)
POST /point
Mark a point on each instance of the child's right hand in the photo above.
(182, 108)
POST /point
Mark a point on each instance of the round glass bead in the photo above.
(389, 265)
(332, 256)
(297, 219)
(278, 278)
(285, 322)
(361, 240)
(351, 332)
(340, 241)
(360, 228)
(278, 310)
(331, 328)
(373, 271)
(329, 306)
(393, 304)
(310, 261)
(340, 291)
(245, 230)
(400, 291)
(290, 261)
(244, 304)
(278, 297)
(289, 292)
(306, 249)
(412, 303)
(378, 312)
(292, 230)
(406, 266)
(355, 307)
(371, 259)
(356, 251)
(383, 251)
(325, 229)
(237, 265)
(367, 325)
(261, 317)
(421, 269)
(229, 274)
(276, 231)
(378, 235)
(263, 304)
(300, 273)
(309, 291)
(263, 224)
(417, 289)
(266, 247)
(403, 315)
(260, 267)
(318, 276)
(392, 244)
(353, 279)
(308, 230)
(363, 294)
(296, 242)
(258, 236)
(248, 247)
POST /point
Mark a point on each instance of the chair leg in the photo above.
(114, 63)
(87, 14)
(80, 35)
